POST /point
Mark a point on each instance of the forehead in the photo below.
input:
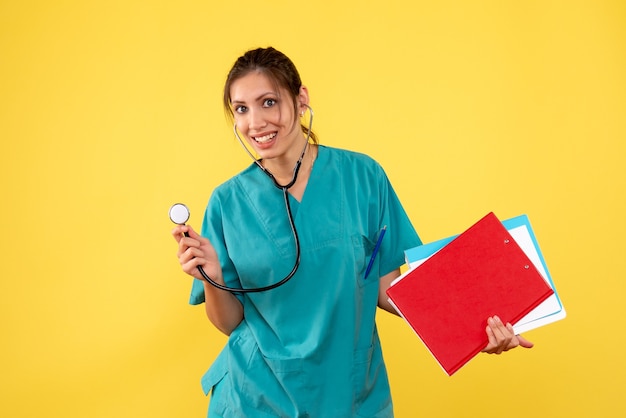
(252, 86)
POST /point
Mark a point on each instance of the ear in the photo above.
(303, 99)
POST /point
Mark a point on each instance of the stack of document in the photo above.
(453, 285)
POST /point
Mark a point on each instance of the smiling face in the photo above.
(267, 117)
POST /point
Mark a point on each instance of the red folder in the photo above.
(447, 299)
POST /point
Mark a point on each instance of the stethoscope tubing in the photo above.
(292, 224)
(272, 286)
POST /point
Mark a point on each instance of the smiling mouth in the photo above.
(265, 138)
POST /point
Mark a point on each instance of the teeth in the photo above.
(265, 138)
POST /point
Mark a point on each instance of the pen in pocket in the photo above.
(376, 248)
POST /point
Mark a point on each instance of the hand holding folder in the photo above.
(447, 299)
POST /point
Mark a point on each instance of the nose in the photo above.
(256, 119)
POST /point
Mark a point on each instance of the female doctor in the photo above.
(309, 347)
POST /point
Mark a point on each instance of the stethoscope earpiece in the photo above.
(283, 187)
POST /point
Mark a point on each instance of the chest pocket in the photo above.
(363, 250)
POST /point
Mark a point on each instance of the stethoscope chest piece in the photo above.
(179, 214)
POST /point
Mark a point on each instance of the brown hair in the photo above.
(276, 66)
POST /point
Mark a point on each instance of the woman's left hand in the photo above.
(502, 337)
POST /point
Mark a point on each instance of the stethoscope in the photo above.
(179, 214)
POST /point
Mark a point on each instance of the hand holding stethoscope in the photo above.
(194, 251)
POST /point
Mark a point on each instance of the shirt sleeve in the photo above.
(400, 234)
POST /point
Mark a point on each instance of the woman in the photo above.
(308, 348)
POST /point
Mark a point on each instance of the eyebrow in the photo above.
(261, 96)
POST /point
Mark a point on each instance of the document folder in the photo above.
(448, 298)
(550, 310)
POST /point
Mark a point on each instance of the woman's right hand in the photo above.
(194, 250)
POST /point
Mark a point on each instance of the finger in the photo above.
(494, 335)
(192, 232)
(191, 266)
(521, 341)
(492, 342)
(501, 333)
(512, 340)
(195, 241)
(190, 253)
(179, 232)
(509, 336)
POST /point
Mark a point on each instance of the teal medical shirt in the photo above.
(310, 347)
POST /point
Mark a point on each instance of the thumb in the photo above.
(523, 342)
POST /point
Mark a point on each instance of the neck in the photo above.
(283, 168)
(297, 189)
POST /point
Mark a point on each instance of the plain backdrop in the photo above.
(110, 111)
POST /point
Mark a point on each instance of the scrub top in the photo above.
(308, 348)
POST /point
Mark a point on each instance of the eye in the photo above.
(241, 109)
(269, 102)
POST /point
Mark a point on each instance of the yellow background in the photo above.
(110, 112)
